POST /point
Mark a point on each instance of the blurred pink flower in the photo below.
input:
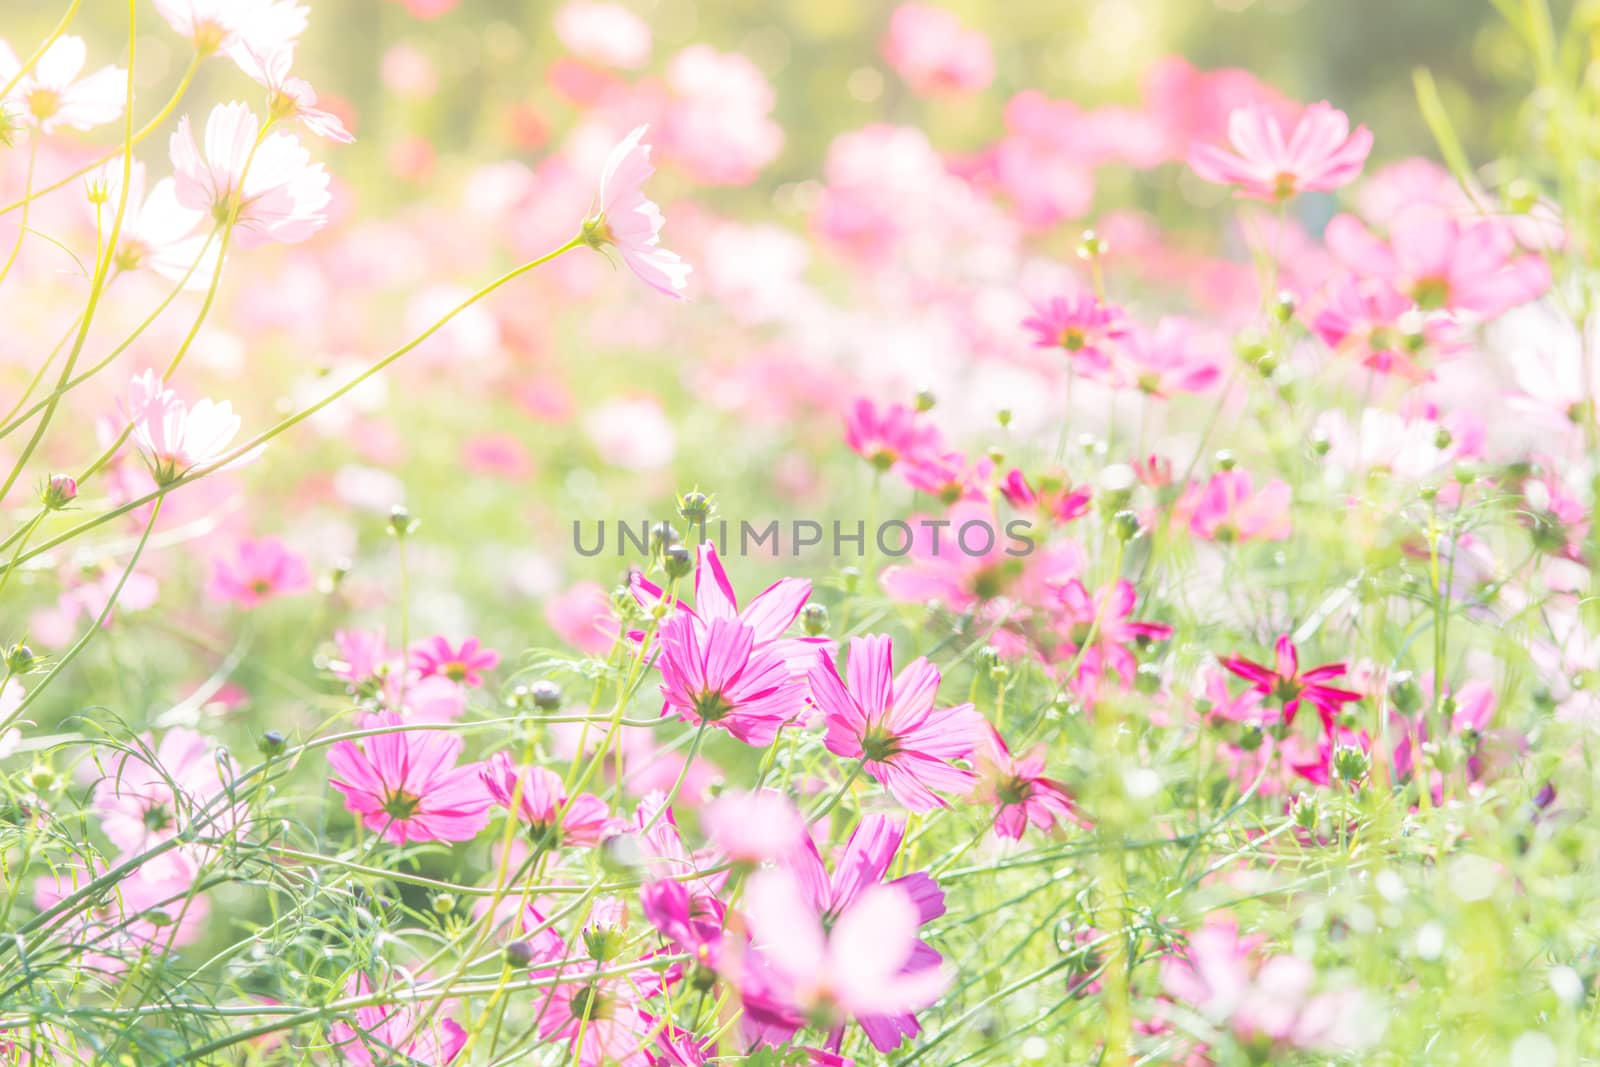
(282, 196)
(537, 796)
(1174, 357)
(631, 223)
(406, 785)
(934, 52)
(497, 454)
(235, 27)
(604, 33)
(391, 1030)
(258, 571)
(830, 967)
(754, 827)
(52, 96)
(1230, 508)
(460, 663)
(291, 97)
(1441, 261)
(157, 791)
(890, 723)
(1320, 154)
(1018, 788)
(1082, 324)
(582, 617)
(718, 124)
(889, 435)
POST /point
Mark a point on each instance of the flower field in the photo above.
(670, 533)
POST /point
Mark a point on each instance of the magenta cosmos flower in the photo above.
(1019, 790)
(1286, 683)
(890, 724)
(717, 673)
(630, 222)
(464, 663)
(1230, 508)
(890, 435)
(406, 784)
(257, 571)
(539, 798)
(1084, 326)
(769, 614)
(270, 190)
(1322, 153)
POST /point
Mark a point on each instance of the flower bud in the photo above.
(1126, 524)
(814, 619)
(663, 535)
(1350, 763)
(401, 524)
(545, 694)
(1147, 680)
(1306, 812)
(1091, 245)
(926, 400)
(678, 562)
(59, 491)
(20, 659)
(696, 507)
(1405, 694)
(271, 743)
(444, 903)
(1283, 307)
(1225, 460)
(1003, 417)
(519, 954)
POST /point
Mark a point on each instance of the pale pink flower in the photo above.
(267, 186)
(157, 232)
(582, 617)
(1174, 357)
(1321, 153)
(930, 48)
(173, 436)
(464, 663)
(1018, 788)
(157, 791)
(887, 436)
(384, 1031)
(406, 785)
(890, 723)
(1229, 507)
(52, 96)
(718, 124)
(853, 965)
(1084, 326)
(291, 97)
(258, 571)
(538, 797)
(1442, 261)
(630, 222)
(1383, 328)
(754, 827)
(606, 34)
(235, 27)
(150, 911)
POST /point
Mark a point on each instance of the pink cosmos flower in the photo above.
(259, 571)
(602, 1013)
(154, 793)
(718, 124)
(1222, 976)
(235, 27)
(1287, 684)
(289, 97)
(1056, 497)
(754, 827)
(460, 663)
(1002, 579)
(282, 196)
(384, 1031)
(888, 436)
(1086, 327)
(52, 96)
(607, 34)
(150, 912)
(1174, 357)
(855, 966)
(539, 798)
(858, 869)
(934, 52)
(1442, 261)
(173, 436)
(718, 672)
(582, 617)
(1383, 328)
(890, 724)
(157, 232)
(1320, 154)
(1018, 788)
(632, 223)
(1230, 508)
(406, 785)
(769, 614)
(363, 655)
(1104, 618)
